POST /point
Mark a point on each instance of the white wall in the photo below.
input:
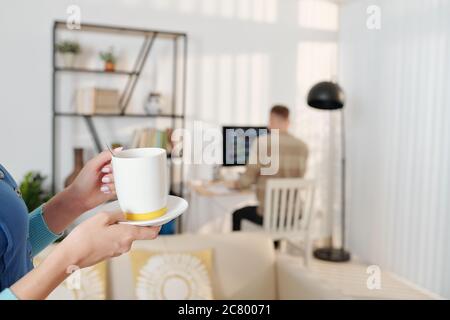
(217, 30)
(244, 55)
(398, 114)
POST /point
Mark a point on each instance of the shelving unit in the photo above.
(149, 38)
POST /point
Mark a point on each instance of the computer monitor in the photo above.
(236, 143)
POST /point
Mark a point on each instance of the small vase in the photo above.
(68, 59)
(78, 165)
(153, 104)
(109, 66)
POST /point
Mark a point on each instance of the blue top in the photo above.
(22, 235)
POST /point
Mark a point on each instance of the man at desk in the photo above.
(293, 154)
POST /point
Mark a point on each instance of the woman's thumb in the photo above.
(103, 157)
(114, 217)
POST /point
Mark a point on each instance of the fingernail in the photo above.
(105, 170)
(106, 179)
(118, 149)
(105, 189)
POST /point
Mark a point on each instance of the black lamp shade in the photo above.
(326, 95)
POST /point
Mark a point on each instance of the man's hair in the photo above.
(281, 111)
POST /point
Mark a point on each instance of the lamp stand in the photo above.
(338, 254)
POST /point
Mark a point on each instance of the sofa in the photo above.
(244, 266)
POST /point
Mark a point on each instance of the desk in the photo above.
(211, 205)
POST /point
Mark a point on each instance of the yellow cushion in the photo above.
(172, 275)
(83, 284)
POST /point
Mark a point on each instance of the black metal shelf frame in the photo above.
(97, 71)
(132, 78)
(128, 115)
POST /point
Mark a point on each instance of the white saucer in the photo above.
(175, 207)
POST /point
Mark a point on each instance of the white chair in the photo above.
(288, 213)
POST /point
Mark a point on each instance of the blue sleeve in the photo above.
(7, 295)
(40, 235)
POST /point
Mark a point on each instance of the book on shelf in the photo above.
(91, 100)
(152, 138)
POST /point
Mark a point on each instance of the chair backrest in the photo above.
(288, 204)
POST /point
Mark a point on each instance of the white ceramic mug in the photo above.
(140, 177)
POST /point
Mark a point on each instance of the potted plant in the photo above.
(33, 192)
(68, 50)
(109, 59)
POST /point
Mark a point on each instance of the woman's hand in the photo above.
(95, 240)
(95, 183)
(93, 186)
(100, 237)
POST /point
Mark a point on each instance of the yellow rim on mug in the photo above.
(146, 216)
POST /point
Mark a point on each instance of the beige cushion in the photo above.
(243, 264)
(172, 276)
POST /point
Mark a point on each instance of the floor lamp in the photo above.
(329, 96)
